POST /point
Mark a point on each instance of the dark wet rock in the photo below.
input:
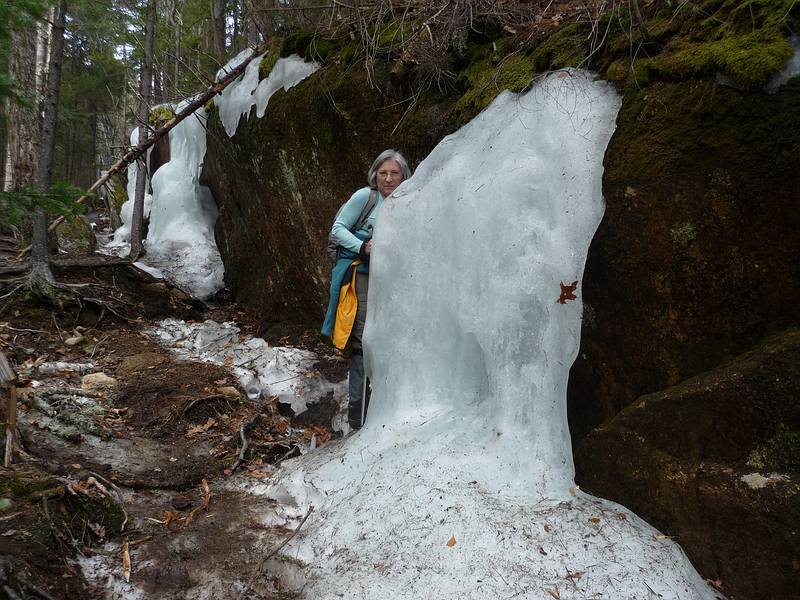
(280, 180)
(715, 462)
(696, 259)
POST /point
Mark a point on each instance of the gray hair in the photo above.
(372, 175)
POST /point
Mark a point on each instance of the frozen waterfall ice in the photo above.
(180, 239)
(238, 99)
(460, 485)
(180, 242)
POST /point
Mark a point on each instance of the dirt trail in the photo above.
(142, 457)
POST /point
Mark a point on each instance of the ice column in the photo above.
(467, 342)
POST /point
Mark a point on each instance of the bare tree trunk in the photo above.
(41, 276)
(145, 83)
(178, 24)
(23, 125)
(218, 24)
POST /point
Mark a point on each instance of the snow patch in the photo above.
(263, 370)
(757, 481)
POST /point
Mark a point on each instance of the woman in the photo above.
(352, 231)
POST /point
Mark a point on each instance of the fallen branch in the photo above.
(272, 553)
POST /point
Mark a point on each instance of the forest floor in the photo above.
(126, 469)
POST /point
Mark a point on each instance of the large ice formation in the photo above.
(180, 242)
(461, 483)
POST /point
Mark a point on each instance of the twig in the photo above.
(6, 326)
(243, 431)
(273, 553)
(204, 399)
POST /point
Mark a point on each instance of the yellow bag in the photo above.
(346, 311)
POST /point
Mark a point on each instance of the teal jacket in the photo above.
(351, 243)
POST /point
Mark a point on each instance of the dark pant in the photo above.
(356, 383)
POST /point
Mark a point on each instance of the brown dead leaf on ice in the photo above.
(451, 542)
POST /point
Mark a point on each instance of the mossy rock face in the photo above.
(280, 180)
(683, 459)
(744, 40)
(76, 236)
(695, 260)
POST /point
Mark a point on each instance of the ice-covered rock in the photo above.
(461, 483)
(180, 242)
(239, 98)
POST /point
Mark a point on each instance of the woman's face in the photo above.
(389, 176)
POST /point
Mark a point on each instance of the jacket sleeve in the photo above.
(347, 219)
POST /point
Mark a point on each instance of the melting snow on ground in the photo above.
(460, 485)
(180, 244)
(263, 370)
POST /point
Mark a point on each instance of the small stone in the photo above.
(229, 392)
(97, 380)
(74, 341)
(5, 504)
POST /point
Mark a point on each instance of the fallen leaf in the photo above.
(126, 562)
(594, 520)
(451, 542)
(547, 528)
(622, 516)
(567, 292)
(201, 428)
(555, 594)
(378, 565)
(206, 493)
(258, 474)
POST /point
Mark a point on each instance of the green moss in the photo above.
(349, 52)
(266, 64)
(120, 195)
(309, 45)
(160, 115)
(748, 58)
(618, 70)
(683, 234)
(745, 40)
(565, 48)
(488, 77)
(781, 453)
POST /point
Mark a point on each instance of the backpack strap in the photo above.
(367, 210)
